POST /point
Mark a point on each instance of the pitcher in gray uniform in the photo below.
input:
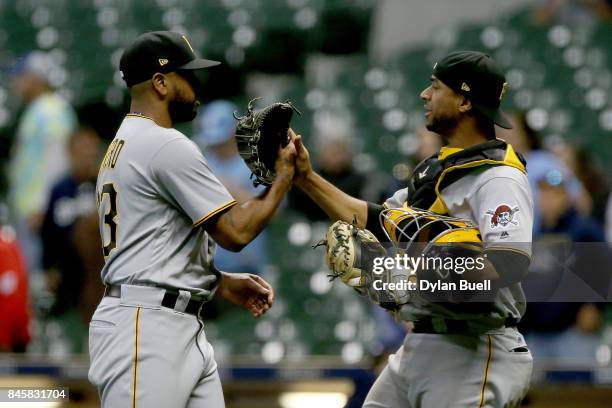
(161, 211)
(459, 354)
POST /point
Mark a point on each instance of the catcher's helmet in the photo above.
(407, 227)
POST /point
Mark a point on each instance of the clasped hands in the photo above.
(293, 162)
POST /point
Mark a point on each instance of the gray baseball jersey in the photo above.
(492, 369)
(498, 201)
(153, 188)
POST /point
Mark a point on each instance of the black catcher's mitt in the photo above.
(259, 134)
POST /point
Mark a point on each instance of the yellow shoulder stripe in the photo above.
(213, 213)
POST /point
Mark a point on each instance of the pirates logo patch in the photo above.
(503, 215)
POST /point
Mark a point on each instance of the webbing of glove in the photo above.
(259, 135)
(349, 252)
(343, 242)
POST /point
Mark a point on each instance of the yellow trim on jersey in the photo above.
(138, 115)
(135, 375)
(510, 159)
(486, 371)
(213, 213)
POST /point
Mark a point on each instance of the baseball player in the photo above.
(458, 354)
(161, 210)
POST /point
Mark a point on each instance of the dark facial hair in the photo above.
(442, 126)
(182, 111)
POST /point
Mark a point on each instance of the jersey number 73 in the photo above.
(111, 218)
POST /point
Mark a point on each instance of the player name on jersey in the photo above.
(112, 154)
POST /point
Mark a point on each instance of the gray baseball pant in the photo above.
(441, 371)
(146, 355)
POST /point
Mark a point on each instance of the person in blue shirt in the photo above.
(563, 330)
(38, 157)
(69, 276)
(540, 161)
(215, 134)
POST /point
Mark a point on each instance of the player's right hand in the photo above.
(303, 167)
(285, 163)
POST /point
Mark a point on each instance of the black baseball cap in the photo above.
(477, 77)
(159, 51)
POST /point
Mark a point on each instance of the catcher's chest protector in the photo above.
(431, 176)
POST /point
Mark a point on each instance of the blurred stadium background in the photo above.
(355, 68)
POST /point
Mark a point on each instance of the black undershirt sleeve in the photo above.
(511, 266)
(373, 223)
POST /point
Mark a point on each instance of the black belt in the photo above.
(426, 325)
(193, 306)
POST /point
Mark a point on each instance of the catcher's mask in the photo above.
(415, 231)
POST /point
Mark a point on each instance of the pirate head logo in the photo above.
(503, 215)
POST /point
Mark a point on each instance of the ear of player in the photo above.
(259, 135)
(351, 255)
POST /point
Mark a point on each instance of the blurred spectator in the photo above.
(86, 240)
(556, 330)
(559, 216)
(39, 155)
(334, 153)
(216, 127)
(428, 144)
(14, 308)
(540, 162)
(572, 12)
(609, 219)
(73, 200)
(390, 333)
(594, 181)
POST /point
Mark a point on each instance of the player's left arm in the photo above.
(503, 209)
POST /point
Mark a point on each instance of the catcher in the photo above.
(474, 197)
(161, 213)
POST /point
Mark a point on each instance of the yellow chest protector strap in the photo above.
(432, 175)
